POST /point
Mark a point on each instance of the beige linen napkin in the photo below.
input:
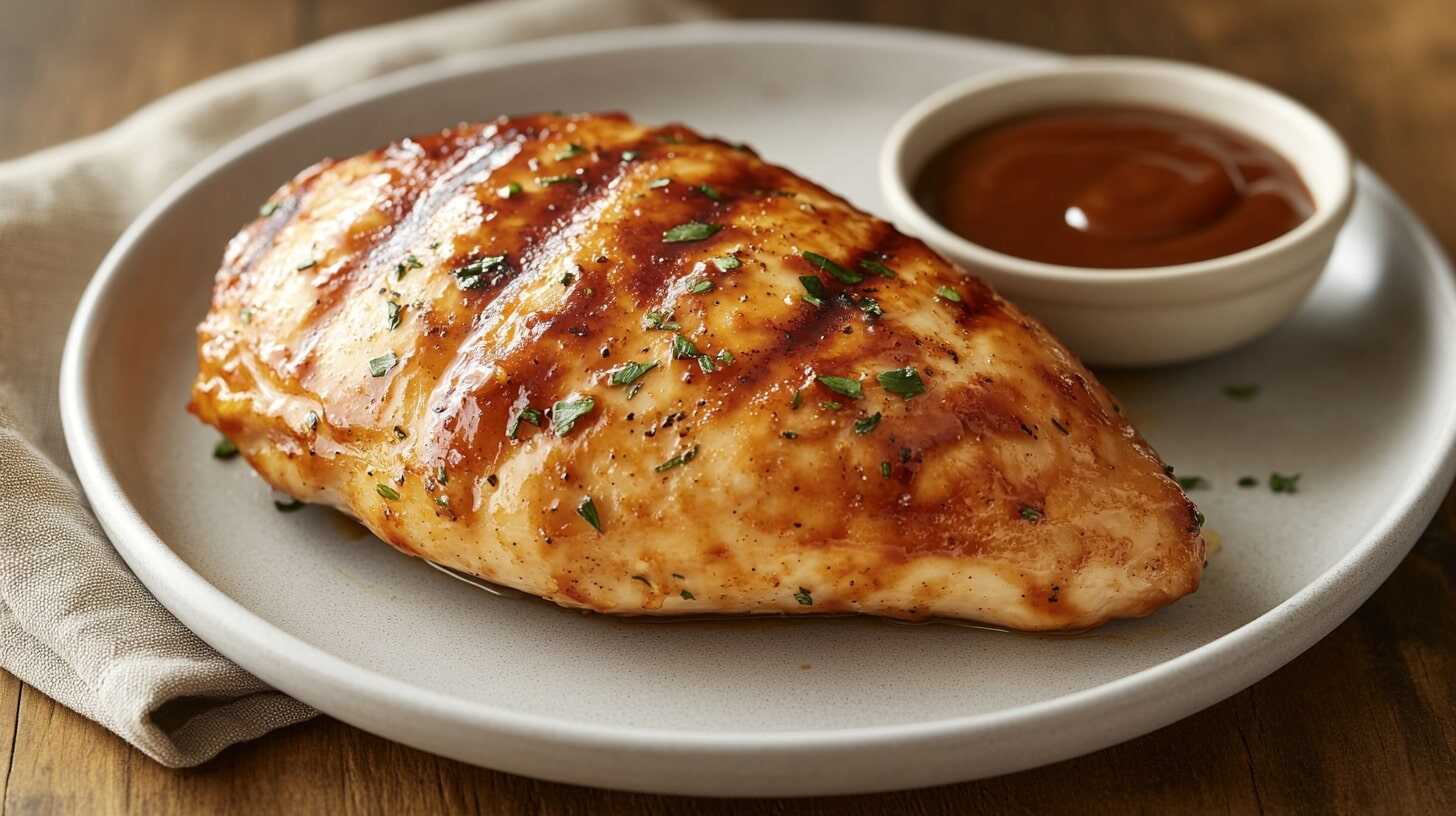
(74, 622)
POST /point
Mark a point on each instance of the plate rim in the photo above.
(1222, 666)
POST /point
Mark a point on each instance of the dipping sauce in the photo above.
(1113, 187)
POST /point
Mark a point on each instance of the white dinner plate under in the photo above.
(1357, 394)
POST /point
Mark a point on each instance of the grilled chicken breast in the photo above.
(640, 371)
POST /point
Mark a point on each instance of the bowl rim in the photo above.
(896, 179)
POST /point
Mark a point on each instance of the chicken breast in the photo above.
(639, 371)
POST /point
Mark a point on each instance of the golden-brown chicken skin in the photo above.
(640, 371)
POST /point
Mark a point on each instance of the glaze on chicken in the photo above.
(640, 371)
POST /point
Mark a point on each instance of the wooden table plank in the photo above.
(1363, 722)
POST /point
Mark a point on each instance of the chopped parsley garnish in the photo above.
(724, 356)
(225, 449)
(386, 491)
(706, 364)
(1192, 482)
(803, 597)
(949, 294)
(661, 321)
(403, 267)
(708, 191)
(442, 475)
(841, 385)
(565, 413)
(472, 275)
(678, 461)
(838, 272)
(311, 420)
(816, 293)
(658, 183)
(567, 279)
(885, 468)
(700, 286)
(1242, 393)
(683, 348)
(287, 506)
(1030, 513)
(831, 405)
(689, 232)
(572, 150)
(869, 423)
(393, 315)
(1248, 481)
(871, 307)
(399, 433)
(526, 414)
(686, 595)
(379, 366)
(630, 155)
(309, 264)
(246, 315)
(442, 500)
(549, 181)
(905, 382)
(874, 267)
(268, 209)
(1279, 483)
(726, 263)
(509, 190)
(789, 435)
(797, 399)
(633, 389)
(588, 510)
(630, 372)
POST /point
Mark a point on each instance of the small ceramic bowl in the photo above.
(1154, 315)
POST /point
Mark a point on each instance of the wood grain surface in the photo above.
(1363, 722)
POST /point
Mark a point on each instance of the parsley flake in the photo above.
(1192, 482)
(797, 399)
(630, 155)
(1248, 481)
(838, 272)
(588, 510)
(1030, 513)
(708, 191)
(660, 321)
(287, 506)
(830, 405)
(386, 491)
(804, 597)
(700, 286)
(526, 414)
(551, 181)
(686, 595)
(904, 382)
(683, 348)
(789, 435)
(678, 461)
(268, 209)
(1279, 483)
(565, 413)
(379, 366)
(874, 267)
(841, 385)
(869, 423)
(630, 372)
(509, 190)
(403, 267)
(726, 263)
(689, 232)
(885, 468)
(571, 151)
(392, 319)
(947, 293)
(816, 293)
(309, 264)
(871, 307)
(658, 183)
(225, 449)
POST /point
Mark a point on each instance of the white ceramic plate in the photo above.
(1358, 396)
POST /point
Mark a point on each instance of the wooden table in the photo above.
(1364, 721)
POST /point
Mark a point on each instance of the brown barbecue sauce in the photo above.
(1113, 188)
